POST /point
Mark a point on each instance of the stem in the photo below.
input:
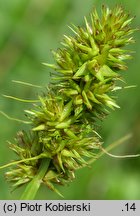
(34, 184)
(20, 161)
(111, 146)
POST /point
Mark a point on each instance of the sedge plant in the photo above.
(85, 76)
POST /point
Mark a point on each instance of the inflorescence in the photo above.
(84, 78)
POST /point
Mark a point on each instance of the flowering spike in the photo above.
(63, 124)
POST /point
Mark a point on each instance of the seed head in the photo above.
(64, 123)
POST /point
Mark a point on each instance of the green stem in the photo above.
(34, 184)
(111, 146)
(20, 161)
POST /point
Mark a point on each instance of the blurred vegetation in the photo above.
(29, 30)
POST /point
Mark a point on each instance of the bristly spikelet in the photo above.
(87, 65)
(63, 125)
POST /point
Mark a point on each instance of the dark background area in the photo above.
(30, 29)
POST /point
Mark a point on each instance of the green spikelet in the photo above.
(87, 65)
(85, 76)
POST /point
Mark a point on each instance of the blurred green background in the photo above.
(29, 30)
